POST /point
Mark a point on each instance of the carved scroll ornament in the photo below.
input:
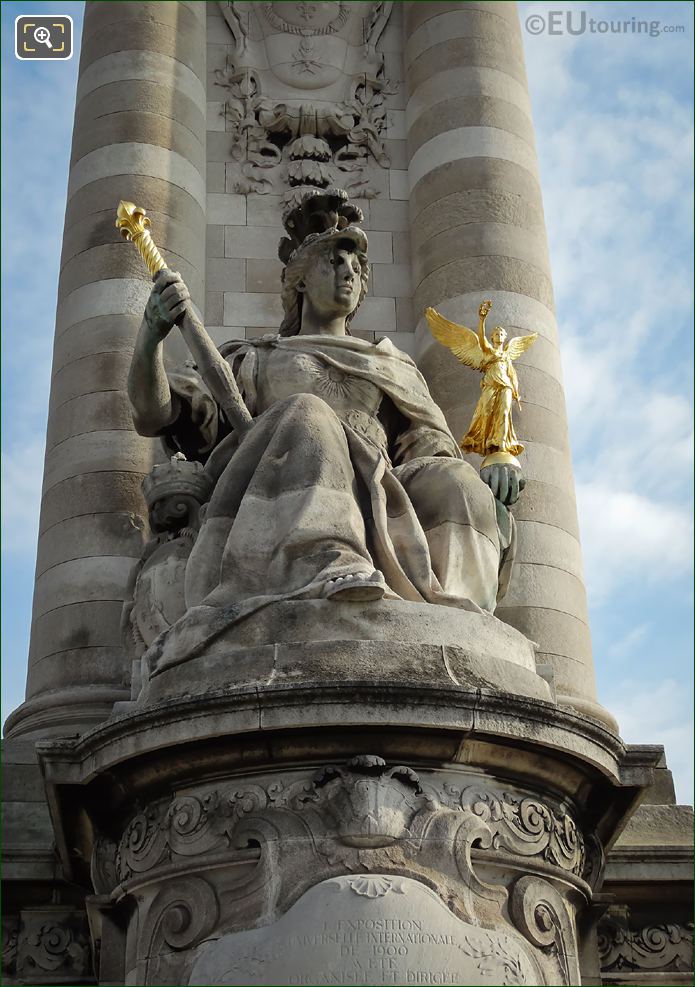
(347, 812)
(661, 946)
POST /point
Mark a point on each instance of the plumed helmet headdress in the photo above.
(320, 217)
(323, 217)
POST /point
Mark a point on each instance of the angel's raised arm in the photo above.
(482, 338)
(462, 341)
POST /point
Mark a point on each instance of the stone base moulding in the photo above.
(308, 641)
(463, 830)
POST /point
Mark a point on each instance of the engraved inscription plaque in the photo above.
(366, 929)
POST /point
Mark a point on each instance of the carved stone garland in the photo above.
(47, 946)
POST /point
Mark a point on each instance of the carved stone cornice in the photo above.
(347, 813)
(658, 947)
(138, 745)
(48, 945)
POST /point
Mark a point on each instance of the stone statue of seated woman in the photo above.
(348, 488)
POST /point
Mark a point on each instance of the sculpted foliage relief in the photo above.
(305, 103)
(364, 806)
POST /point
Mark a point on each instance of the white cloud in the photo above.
(22, 470)
(616, 166)
(624, 647)
(629, 539)
(639, 431)
(659, 713)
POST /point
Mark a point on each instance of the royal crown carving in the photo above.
(175, 492)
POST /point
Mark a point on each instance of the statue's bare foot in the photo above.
(357, 586)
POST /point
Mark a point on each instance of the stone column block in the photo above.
(477, 231)
(139, 134)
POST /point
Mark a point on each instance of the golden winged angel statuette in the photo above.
(491, 433)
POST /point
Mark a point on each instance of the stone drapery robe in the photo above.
(349, 467)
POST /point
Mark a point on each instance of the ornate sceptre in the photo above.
(134, 224)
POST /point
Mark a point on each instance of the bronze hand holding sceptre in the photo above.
(134, 225)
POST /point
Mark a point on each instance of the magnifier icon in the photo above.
(43, 36)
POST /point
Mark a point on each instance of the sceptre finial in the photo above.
(133, 222)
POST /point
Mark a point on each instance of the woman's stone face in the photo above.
(332, 282)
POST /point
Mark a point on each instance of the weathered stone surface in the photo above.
(263, 275)
(27, 827)
(659, 825)
(137, 125)
(91, 412)
(320, 751)
(481, 175)
(140, 159)
(494, 272)
(114, 491)
(148, 97)
(488, 239)
(467, 81)
(170, 33)
(364, 929)
(387, 641)
(78, 668)
(474, 21)
(239, 845)
(131, 141)
(76, 626)
(469, 111)
(490, 52)
(89, 223)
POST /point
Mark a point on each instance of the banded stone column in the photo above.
(478, 231)
(139, 134)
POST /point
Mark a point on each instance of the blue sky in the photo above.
(613, 115)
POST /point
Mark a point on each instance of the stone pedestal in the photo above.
(323, 793)
(253, 818)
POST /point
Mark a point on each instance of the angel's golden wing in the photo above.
(515, 347)
(462, 342)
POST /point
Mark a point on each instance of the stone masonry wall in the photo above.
(242, 268)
